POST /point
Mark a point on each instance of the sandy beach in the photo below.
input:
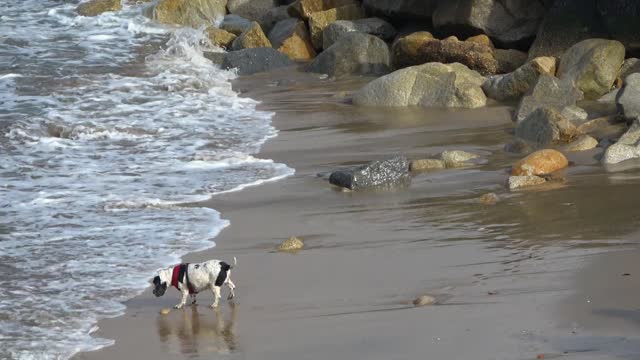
(548, 273)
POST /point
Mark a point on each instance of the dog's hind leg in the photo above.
(216, 296)
(193, 299)
(232, 287)
(185, 294)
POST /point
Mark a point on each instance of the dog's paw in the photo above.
(179, 306)
(230, 297)
(214, 305)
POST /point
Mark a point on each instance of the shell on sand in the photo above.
(165, 311)
(424, 300)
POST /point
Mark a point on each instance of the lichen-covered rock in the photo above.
(251, 38)
(426, 164)
(627, 147)
(194, 13)
(405, 51)
(354, 53)
(592, 65)
(291, 244)
(583, 143)
(545, 126)
(428, 85)
(547, 91)
(402, 9)
(518, 182)
(304, 8)
(385, 173)
(291, 38)
(628, 99)
(250, 9)
(457, 158)
(372, 26)
(220, 37)
(541, 162)
(235, 24)
(250, 61)
(318, 21)
(510, 59)
(97, 7)
(514, 85)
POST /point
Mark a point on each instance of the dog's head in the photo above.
(159, 286)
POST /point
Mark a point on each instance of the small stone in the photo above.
(219, 37)
(541, 162)
(426, 164)
(489, 199)
(583, 143)
(97, 7)
(165, 311)
(253, 37)
(457, 158)
(517, 182)
(291, 244)
(424, 300)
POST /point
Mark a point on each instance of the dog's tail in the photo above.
(235, 262)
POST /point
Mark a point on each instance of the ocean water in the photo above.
(107, 125)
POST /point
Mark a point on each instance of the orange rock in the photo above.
(540, 163)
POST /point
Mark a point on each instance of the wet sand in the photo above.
(540, 272)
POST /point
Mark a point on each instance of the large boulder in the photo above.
(235, 24)
(373, 26)
(427, 85)
(628, 99)
(304, 8)
(514, 85)
(253, 37)
(97, 7)
(291, 38)
(406, 50)
(545, 126)
(250, 61)
(318, 21)
(194, 13)
(250, 9)
(354, 53)
(509, 59)
(627, 147)
(592, 65)
(507, 22)
(220, 37)
(385, 173)
(629, 66)
(402, 9)
(547, 91)
(541, 162)
(269, 19)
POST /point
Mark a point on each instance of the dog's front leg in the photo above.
(193, 299)
(216, 296)
(185, 294)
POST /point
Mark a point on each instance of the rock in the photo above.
(97, 7)
(235, 24)
(489, 199)
(406, 50)
(428, 85)
(545, 126)
(372, 26)
(354, 53)
(424, 300)
(250, 61)
(518, 182)
(550, 92)
(194, 13)
(518, 146)
(509, 60)
(592, 65)
(620, 20)
(318, 21)
(426, 164)
(481, 39)
(475, 56)
(610, 97)
(251, 38)
(402, 9)
(514, 85)
(250, 9)
(220, 37)
(583, 143)
(375, 174)
(304, 8)
(291, 38)
(272, 17)
(165, 311)
(629, 66)
(291, 244)
(575, 114)
(507, 21)
(457, 158)
(628, 100)
(541, 162)
(627, 147)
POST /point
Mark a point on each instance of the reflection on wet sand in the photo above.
(198, 330)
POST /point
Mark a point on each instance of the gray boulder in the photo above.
(628, 100)
(545, 126)
(550, 92)
(629, 66)
(354, 53)
(235, 24)
(592, 65)
(372, 26)
(385, 173)
(509, 60)
(428, 85)
(269, 19)
(251, 9)
(402, 9)
(507, 22)
(514, 85)
(250, 61)
(627, 147)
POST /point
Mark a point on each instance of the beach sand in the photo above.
(541, 273)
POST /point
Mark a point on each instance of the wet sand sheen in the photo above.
(502, 273)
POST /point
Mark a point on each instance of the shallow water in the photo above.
(107, 125)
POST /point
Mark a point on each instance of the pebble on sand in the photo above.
(489, 199)
(165, 311)
(291, 244)
(424, 300)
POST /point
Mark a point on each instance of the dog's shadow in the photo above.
(190, 331)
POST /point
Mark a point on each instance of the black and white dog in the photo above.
(190, 279)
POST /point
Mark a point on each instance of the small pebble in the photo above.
(424, 300)
(165, 311)
(291, 244)
(489, 199)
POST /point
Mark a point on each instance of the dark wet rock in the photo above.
(250, 61)
(402, 9)
(372, 26)
(194, 13)
(545, 126)
(620, 20)
(550, 92)
(235, 24)
(506, 21)
(406, 50)
(518, 146)
(509, 60)
(250, 9)
(97, 7)
(269, 19)
(354, 53)
(628, 100)
(384, 173)
(626, 148)
(291, 38)
(514, 85)
(629, 66)
(252, 37)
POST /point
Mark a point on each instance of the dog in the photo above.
(191, 279)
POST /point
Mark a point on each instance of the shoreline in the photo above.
(330, 298)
